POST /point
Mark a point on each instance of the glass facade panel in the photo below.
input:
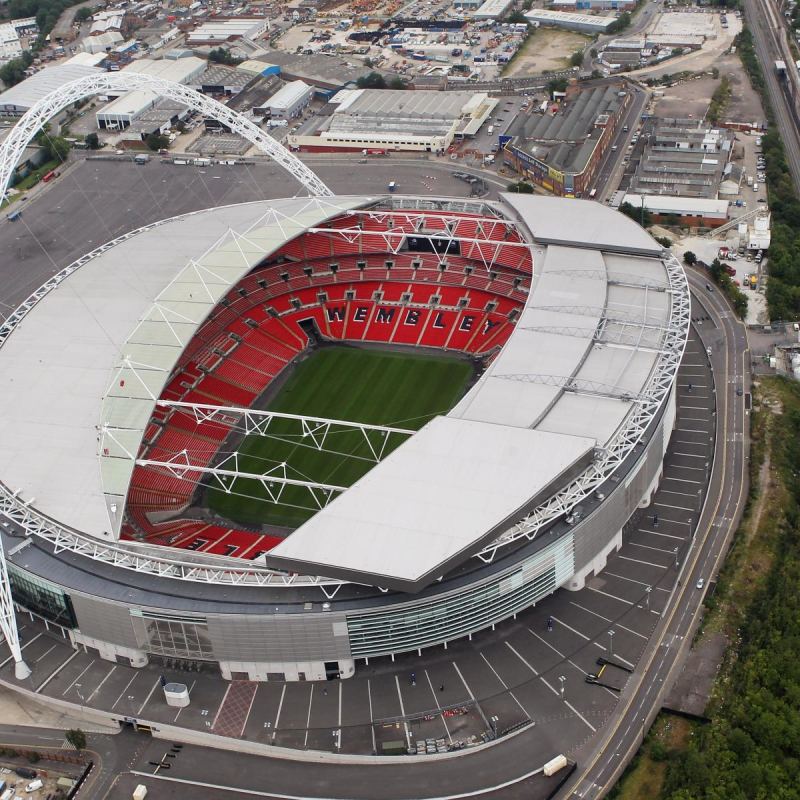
(41, 597)
(443, 619)
(178, 637)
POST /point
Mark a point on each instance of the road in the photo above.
(719, 519)
(769, 39)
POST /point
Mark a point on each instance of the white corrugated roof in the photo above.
(31, 90)
(677, 205)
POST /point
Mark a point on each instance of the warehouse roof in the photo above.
(288, 95)
(27, 93)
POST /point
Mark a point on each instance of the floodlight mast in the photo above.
(45, 109)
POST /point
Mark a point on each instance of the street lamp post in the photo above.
(611, 643)
(563, 695)
(647, 590)
(676, 557)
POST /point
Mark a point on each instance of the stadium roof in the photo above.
(111, 333)
(585, 347)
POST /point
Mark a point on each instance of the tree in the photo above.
(520, 187)
(619, 24)
(77, 738)
(92, 141)
(157, 141)
(690, 258)
(576, 59)
(637, 214)
(557, 85)
(397, 83)
(82, 14)
(221, 55)
(13, 71)
(372, 81)
(517, 18)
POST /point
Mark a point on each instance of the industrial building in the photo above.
(692, 212)
(426, 121)
(492, 9)
(10, 33)
(592, 5)
(102, 43)
(583, 23)
(228, 30)
(289, 101)
(18, 99)
(219, 79)
(682, 157)
(562, 151)
(120, 113)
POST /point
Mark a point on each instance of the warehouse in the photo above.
(569, 21)
(427, 121)
(10, 33)
(289, 101)
(18, 99)
(492, 9)
(693, 212)
(120, 113)
(228, 30)
(593, 5)
(683, 157)
(562, 152)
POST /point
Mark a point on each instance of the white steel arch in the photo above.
(91, 85)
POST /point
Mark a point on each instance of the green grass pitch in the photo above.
(369, 386)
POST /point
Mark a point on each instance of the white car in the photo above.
(701, 583)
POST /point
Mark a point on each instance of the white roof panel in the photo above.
(459, 480)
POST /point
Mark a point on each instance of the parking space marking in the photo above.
(571, 707)
(682, 480)
(136, 675)
(679, 508)
(436, 702)
(648, 547)
(371, 719)
(100, 685)
(521, 658)
(280, 706)
(308, 716)
(639, 561)
(505, 685)
(91, 663)
(194, 683)
(21, 648)
(690, 455)
(680, 494)
(568, 627)
(403, 710)
(46, 652)
(613, 597)
(632, 580)
(665, 535)
(608, 619)
(149, 695)
(56, 671)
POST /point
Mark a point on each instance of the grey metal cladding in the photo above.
(278, 638)
(100, 619)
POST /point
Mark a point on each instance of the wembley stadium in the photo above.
(287, 436)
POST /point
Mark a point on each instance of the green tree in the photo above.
(638, 214)
(222, 55)
(82, 14)
(157, 141)
(520, 187)
(372, 81)
(517, 18)
(619, 24)
(690, 258)
(12, 72)
(77, 738)
(397, 83)
(576, 59)
(92, 141)
(557, 85)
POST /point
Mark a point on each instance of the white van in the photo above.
(34, 785)
(490, 130)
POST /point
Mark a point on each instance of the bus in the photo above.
(49, 176)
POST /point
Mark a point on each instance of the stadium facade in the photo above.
(166, 341)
